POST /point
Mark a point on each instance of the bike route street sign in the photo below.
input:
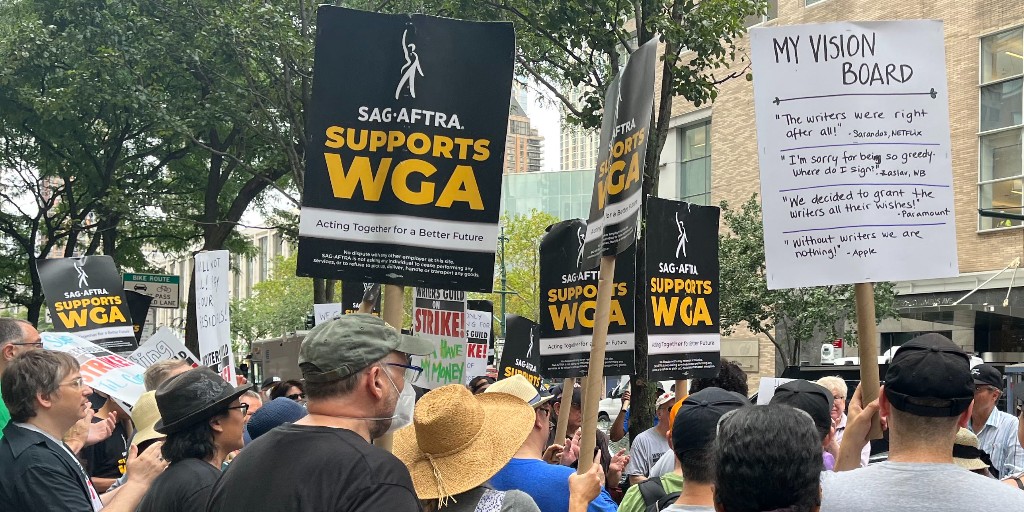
(163, 288)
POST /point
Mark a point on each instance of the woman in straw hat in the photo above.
(457, 442)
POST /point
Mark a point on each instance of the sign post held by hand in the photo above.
(564, 409)
(614, 208)
(394, 314)
(856, 170)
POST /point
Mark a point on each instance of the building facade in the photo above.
(984, 43)
(523, 143)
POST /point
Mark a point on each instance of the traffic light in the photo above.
(310, 320)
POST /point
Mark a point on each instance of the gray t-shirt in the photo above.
(646, 449)
(665, 465)
(911, 486)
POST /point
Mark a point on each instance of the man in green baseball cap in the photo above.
(358, 387)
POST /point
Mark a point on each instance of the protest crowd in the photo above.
(197, 443)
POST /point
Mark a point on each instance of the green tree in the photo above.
(278, 305)
(522, 267)
(789, 318)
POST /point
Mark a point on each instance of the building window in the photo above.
(770, 14)
(695, 171)
(1000, 173)
(811, 2)
(264, 258)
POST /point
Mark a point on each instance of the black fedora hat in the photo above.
(192, 397)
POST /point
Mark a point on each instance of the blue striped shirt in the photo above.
(998, 438)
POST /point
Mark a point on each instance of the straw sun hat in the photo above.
(145, 415)
(966, 453)
(459, 440)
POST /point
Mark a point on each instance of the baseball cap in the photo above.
(987, 375)
(269, 381)
(814, 399)
(933, 368)
(664, 398)
(696, 423)
(341, 347)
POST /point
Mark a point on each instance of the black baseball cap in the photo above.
(696, 424)
(930, 376)
(987, 375)
(814, 399)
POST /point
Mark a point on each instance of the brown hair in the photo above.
(38, 372)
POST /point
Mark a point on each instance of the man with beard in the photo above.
(358, 387)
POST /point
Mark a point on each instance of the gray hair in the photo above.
(37, 372)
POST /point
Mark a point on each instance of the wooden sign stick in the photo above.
(564, 409)
(394, 315)
(868, 350)
(595, 375)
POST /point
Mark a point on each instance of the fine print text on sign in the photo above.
(403, 177)
(853, 142)
(440, 316)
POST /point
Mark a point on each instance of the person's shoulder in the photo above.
(1004, 418)
(518, 501)
(993, 492)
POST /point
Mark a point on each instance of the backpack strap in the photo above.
(651, 490)
(668, 499)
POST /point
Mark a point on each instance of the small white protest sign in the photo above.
(853, 144)
(325, 312)
(213, 314)
(161, 346)
(478, 333)
(766, 389)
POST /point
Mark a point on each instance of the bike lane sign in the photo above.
(163, 288)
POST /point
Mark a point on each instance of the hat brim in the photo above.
(415, 345)
(506, 425)
(200, 414)
(145, 434)
(970, 464)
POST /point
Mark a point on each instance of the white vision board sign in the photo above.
(853, 144)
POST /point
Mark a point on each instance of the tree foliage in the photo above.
(278, 305)
(522, 267)
(788, 317)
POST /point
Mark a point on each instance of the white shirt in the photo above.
(998, 438)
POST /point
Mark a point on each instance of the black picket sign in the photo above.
(683, 327)
(405, 150)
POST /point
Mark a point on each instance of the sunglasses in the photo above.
(297, 396)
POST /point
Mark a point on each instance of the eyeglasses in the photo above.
(75, 383)
(412, 373)
(297, 396)
(244, 408)
(36, 344)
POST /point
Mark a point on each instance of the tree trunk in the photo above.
(319, 290)
(329, 292)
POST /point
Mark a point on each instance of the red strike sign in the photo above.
(477, 350)
(838, 343)
(440, 323)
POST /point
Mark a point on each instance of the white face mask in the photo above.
(404, 407)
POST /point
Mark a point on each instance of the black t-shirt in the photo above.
(107, 458)
(183, 487)
(314, 469)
